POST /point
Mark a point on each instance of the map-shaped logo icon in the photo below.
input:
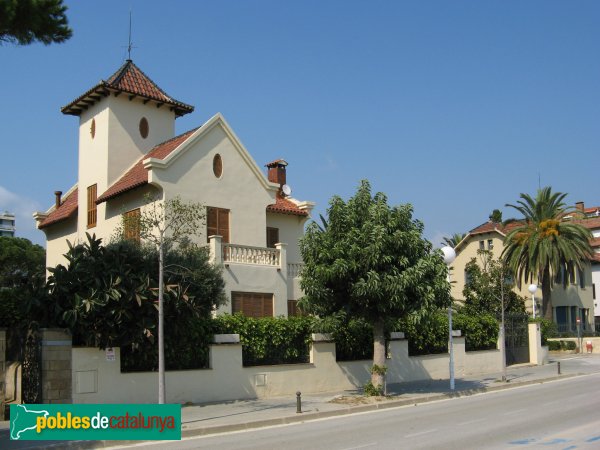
(23, 420)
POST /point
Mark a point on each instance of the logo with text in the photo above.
(95, 422)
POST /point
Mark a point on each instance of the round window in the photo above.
(217, 166)
(144, 127)
(93, 128)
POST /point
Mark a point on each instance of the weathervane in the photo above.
(130, 44)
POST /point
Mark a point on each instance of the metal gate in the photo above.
(31, 380)
(517, 338)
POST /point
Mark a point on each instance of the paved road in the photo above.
(557, 415)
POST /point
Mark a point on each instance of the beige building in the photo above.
(127, 149)
(572, 294)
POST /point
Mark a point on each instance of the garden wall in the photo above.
(97, 377)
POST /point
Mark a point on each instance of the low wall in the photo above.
(97, 377)
(594, 340)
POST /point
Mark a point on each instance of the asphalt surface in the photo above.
(227, 417)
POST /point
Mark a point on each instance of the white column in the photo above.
(216, 249)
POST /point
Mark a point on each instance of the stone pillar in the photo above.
(2, 370)
(536, 356)
(56, 366)
(216, 249)
(282, 258)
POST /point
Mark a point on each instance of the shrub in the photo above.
(353, 340)
(481, 331)
(568, 345)
(269, 340)
(548, 329)
(371, 390)
(427, 336)
(554, 346)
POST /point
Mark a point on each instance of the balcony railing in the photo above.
(245, 254)
(293, 269)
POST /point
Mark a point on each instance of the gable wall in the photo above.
(238, 189)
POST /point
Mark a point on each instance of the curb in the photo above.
(307, 417)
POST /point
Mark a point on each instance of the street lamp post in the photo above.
(532, 288)
(449, 256)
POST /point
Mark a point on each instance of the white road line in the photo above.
(516, 411)
(471, 422)
(372, 444)
(421, 433)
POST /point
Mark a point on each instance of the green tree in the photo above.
(372, 263)
(496, 216)
(483, 290)
(22, 276)
(543, 243)
(106, 295)
(453, 240)
(165, 224)
(26, 21)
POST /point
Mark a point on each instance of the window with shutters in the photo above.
(293, 309)
(217, 223)
(272, 237)
(252, 304)
(92, 213)
(131, 225)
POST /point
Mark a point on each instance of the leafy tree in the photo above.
(496, 216)
(106, 295)
(543, 243)
(453, 240)
(483, 290)
(371, 263)
(25, 21)
(22, 276)
(165, 224)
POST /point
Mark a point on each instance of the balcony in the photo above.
(245, 254)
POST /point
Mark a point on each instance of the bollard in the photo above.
(558, 365)
(298, 402)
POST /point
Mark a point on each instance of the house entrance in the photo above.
(517, 338)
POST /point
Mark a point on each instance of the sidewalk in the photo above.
(231, 416)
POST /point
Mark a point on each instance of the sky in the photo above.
(456, 107)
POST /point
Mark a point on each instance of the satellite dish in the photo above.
(287, 190)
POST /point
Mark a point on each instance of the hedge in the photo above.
(269, 340)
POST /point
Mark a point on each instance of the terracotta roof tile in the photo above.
(128, 79)
(138, 175)
(285, 206)
(67, 209)
(489, 227)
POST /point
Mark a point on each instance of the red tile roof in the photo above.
(285, 206)
(590, 223)
(67, 209)
(138, 175)
(489, 227)
(131, 80)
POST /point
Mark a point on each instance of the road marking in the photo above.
(421, 433)
(471, 422)
(361, 446)
(515, 411)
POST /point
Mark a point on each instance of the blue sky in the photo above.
(453, 106)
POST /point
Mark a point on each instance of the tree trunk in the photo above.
(546, 295)
(377, 379)
(161, 339)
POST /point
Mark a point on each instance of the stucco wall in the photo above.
(96, 380)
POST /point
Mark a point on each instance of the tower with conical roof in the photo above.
(120, 120)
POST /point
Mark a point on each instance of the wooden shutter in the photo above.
(131, 225)
(223, 215)
(293, 309)
(92, 213)
(217, 222)
(252, 304)
(272, 236)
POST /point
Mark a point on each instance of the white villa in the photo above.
(127, 149)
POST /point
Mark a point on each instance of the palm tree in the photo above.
(543, 243)
(453, 240)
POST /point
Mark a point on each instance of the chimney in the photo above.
(58, 199)
(579, 206)
(277, 171)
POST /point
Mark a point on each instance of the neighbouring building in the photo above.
(128, 149)
(7, 224)
(573, 294)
